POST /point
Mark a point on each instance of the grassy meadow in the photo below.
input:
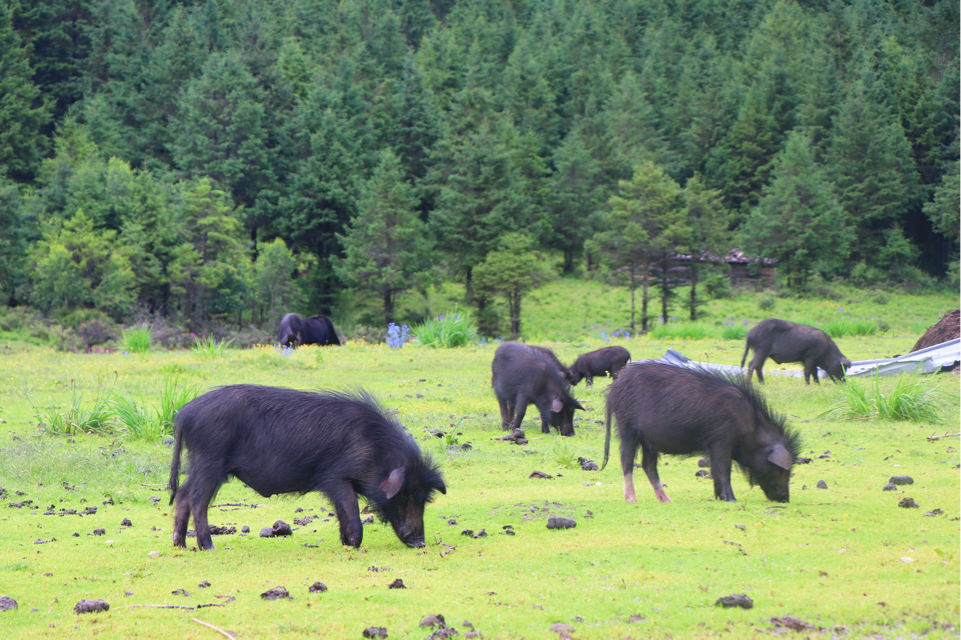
(845, 559)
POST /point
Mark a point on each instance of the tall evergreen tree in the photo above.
(386, 247)
(23, 114)
(798, 221)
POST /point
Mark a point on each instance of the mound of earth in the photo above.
(947, 328)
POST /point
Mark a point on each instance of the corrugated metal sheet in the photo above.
(931, 360)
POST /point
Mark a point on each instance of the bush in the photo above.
(96, 331)
(767, 301)
(137, 339)
(448, 331)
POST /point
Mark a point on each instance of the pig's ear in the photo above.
(394, 483)
(440, 486)
(557, 406)
(577, 405)
(781, 457)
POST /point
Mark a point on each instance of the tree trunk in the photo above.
(694, 278)
(514, 301)
(568, 262)
(388, 306)
(469, 285)
(633, 288)
(644, 300)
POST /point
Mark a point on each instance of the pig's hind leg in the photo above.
(649, 464)
(629, 444)
(182, 516)
(505, 414)
(201, 493)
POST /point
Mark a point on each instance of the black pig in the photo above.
(523, 375)
(289, 331)
(285, 441)
(294, 331)
(663, 408)
(606, 361)
(784, 341)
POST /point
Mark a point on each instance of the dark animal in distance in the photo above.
(279, 440)
(784, 341)
(663, 408)
(294, 331)
(289, 331)
(523, 375)
(606, 361)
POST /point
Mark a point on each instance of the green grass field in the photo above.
(846, 559)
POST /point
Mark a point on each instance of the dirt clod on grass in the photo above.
(443, 632)
(397, 584)
(791, 623)
(936, 512)
(541, 475)
(557, 522)
(947, 328)
(822, 484)
(587, 465)
(899, 480)
(889, 487)
(99, 532)
(317, 587)
(180, 592)
(126, 523)
(735, 600)
(375, 632)
(435, 620)
(277, 593)
(560, 627)
(7, 603)
(908, 503)
(704, 463)
(204, 584)
(221, 531)
(702, 473)
(91, 606)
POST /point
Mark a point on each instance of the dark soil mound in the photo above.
(947, 328)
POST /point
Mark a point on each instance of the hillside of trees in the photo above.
(230, 160)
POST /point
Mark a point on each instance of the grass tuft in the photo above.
(137, 339)
(447, 331)
(73, 418)
(682, 331)
(841, 327)
(911, 400)
(208, 348)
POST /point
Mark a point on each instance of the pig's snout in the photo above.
(414, 543)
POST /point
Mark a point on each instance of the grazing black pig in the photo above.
(606, 361)
(289, 331)
(523, 375)
(784, 341)
(319, 330)
(285, 441)
(663, 408)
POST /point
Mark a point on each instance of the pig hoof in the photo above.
(631, 498)
(662, 496)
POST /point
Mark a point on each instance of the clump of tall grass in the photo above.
(73, 418)
(208, 348)
(448, 331)
(137, 339)
(911, 400)
(564, 456)
(840, 327)
(159, 422)
(682, 331)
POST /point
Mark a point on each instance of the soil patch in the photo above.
(947, 328)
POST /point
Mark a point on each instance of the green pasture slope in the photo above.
(846, 559)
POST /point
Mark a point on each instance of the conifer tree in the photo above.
(386, 247)
(798, 221)
(23, 114)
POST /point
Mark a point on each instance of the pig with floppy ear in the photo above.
(407, 492)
